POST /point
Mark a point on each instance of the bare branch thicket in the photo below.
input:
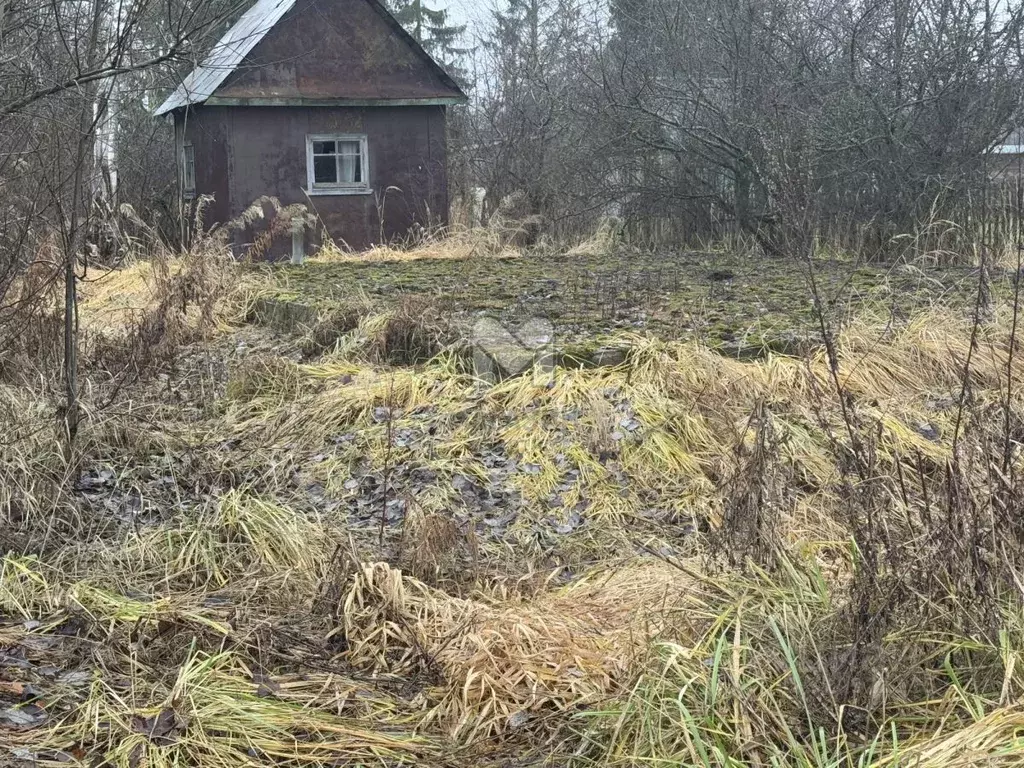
(69, 72)
(697, 118)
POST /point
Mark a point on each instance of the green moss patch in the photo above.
(740, 305)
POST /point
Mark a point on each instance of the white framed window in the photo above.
(337, 164)
(188, 170)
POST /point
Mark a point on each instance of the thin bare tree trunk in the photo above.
(73, 241)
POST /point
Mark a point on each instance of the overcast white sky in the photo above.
(473, 12)
(463, 11)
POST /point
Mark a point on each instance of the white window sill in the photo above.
(339, 191)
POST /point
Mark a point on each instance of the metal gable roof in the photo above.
(248, 31)
(227, 54)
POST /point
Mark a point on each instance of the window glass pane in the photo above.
(339, 162)
(189, 169)
(350, 169)
(324, 170)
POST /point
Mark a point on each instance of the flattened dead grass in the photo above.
(657, 434)
(504, 664)
(218, 712)
(253, 623)
(113, 298)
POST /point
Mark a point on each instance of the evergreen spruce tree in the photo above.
(518, 35)
(432, 30)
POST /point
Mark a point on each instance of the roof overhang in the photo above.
(227, 54)
(270, 101)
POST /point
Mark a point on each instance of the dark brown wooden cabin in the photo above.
(330, 103)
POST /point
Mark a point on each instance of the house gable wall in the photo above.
(334, 49)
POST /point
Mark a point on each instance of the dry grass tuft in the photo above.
(605, 239)
(505, 664)
(433, 546)
(218, 712)
(494, 241)
(264, 377)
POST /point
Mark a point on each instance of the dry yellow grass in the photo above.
(505, 663)
(251, 625)
(458, 244)
(185, 291)
(605, 238)
(112, 298)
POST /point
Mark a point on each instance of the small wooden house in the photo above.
(329, 103)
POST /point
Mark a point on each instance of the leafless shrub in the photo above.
(30, 329)
(415, 331)
(936, 546)
(186, 296)
(756, 497)
(268, 221)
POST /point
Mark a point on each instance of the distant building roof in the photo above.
(238, 42)
(1012, 143)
